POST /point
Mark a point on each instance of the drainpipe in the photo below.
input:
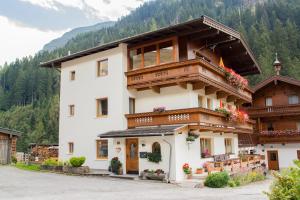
(170, 156)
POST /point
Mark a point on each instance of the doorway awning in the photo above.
(142, 132)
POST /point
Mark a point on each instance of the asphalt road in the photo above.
(16, 184)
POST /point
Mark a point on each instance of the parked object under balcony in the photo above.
(158, 174)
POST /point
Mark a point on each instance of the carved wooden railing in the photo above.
(280, 133)
(204, 118)
(185, 71)
(273, 110)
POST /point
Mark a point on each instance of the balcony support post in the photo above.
(210, 90)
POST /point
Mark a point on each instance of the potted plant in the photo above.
(116, 166)
(74, 166)
(187, 170)
(190, 139)
(199, 170)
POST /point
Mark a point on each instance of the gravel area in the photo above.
(18, 184)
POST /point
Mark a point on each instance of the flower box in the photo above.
(158, 175)
(76, 170)
(159, 109)
(235, 79)
(52, 168)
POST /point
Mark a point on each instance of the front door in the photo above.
(132, 158)
(273, 160)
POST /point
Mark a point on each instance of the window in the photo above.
(298, 154)
(71, 147)
(150, 53)
(166, 52)
(293, 99)
(269, 101)
(209, 103)
(72, 75)
(71, 110)
(200, 101)
(102, 68)
(156, 148)
(206, 147)
(228, 145)
(102, 107)
(102, 149)
(135, 58)
(270, 127)
(131, 105)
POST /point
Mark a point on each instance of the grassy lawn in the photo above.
(31, 167)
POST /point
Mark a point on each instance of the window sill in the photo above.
(101, 116)
(101, 159)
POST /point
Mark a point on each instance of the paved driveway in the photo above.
(18, 184)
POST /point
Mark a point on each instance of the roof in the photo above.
(142, 132)
(193, 26)
(10, 132)
(276, 78)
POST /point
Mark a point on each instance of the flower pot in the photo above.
(199, 171)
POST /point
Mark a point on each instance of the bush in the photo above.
(154, 157)
(77, 161)
(217, 180)
(243, 179)
(115, 165)
(286, 185)
(14, 160)
(52, 162)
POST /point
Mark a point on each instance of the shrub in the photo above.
(217, 180)
(52, 162)
(115, 165)
(286, 185)
(243, 179)
(154, 157)
(77, 161)
(14, 160)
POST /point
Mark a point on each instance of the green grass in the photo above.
(30, 167)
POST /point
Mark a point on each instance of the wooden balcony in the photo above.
(284, 110)
(279, 136)
(199, 72)
(197, 118)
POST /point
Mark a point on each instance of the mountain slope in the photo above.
(29, 94)
(61, 41)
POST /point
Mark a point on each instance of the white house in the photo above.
(150, 92)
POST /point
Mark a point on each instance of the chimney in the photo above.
(277, 65)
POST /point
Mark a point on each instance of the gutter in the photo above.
(170, 157)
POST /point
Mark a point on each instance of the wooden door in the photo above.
(132, 158)
(4, 151)
(273, 162)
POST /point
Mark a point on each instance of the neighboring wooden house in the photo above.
(276, 108)
(155, 92)
(8, 142)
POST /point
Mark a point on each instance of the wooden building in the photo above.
(276, 109)
(8, 141)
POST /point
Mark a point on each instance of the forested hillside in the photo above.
(29, 94)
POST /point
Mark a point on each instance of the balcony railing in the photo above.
(202, 118)
(198, 72)
(292, 109)
(279, 136)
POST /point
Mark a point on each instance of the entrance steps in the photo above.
(125, 176)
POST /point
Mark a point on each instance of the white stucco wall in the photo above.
(173, 97)
(286, 154)
(83, 128)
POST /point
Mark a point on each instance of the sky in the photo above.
(26, 25)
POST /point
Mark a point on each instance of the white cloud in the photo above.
(113, 9)
(17, 42)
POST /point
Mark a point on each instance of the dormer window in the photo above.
(293, 99)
